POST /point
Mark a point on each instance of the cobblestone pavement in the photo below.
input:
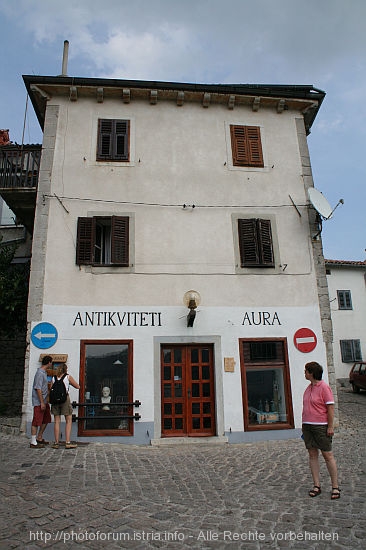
(252, 496)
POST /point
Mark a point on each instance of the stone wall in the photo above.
(12, 353)
(319, 266)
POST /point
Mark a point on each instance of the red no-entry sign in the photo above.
(305, 340)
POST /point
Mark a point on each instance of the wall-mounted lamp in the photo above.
(192, 300)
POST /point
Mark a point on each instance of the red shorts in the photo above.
(41, 417)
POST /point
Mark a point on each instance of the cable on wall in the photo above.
(168, 205)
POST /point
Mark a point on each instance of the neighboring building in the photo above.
(176, 258)
(6, 215)
(347, 295)
(15, 237)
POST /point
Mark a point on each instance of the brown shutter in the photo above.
(255, 243)
(113, 139)
(121, 139)
(265, 239)
(254, 146)
(120, 240)
(85, 241)
(246, 146)
(105, 139)
(239, 146)
(248, 245)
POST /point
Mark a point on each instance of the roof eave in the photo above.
(313, 95)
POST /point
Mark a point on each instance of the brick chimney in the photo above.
(4, 137)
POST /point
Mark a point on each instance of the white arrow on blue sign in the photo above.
(44, 335)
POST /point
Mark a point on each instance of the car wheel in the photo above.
(355, 389)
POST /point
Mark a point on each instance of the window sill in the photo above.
(101, 269)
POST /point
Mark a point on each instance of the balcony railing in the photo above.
(19, 166)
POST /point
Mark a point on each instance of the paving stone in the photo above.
(116, 490)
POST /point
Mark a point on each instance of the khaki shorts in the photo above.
(315, 437)
(64, 409)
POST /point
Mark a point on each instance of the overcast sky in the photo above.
(316, 42)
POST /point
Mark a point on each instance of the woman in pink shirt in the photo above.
(317, 427)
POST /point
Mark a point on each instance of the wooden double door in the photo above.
(187, 390)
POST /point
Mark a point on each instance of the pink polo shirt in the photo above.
(315, 401)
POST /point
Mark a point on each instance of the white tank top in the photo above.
(66, 382)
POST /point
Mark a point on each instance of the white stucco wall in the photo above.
(218, 324)
(348, 324)
(180, 155)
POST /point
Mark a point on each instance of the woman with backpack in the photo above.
(64, 408)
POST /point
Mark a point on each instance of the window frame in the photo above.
(350, 350)
(87, 245)
(255, 243)
(109, 134)
(344, 300)
(253, 366)
(82, 430)
(256, 270)
(246, 146)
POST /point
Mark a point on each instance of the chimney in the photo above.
(65, 58)
(4, 137)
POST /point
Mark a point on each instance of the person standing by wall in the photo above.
(41, 408)
(317, 427)
(64, 409)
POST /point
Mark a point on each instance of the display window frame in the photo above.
(271, 416)
(126, 426)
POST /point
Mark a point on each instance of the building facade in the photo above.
(347, 295)
(177, 265)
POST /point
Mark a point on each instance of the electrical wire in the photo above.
(168, 205)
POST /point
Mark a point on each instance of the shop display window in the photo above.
(267, 402)
(106, 388)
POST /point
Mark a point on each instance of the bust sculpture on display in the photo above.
(106, 398)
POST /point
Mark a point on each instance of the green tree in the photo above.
(14, 281)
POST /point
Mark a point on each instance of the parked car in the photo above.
(357, 377)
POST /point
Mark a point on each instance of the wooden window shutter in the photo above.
(255, 243)
(120, 240)
(255, 146)
(265, 238)
(357, 350)
(105, 139)
(248, 242)
(346, 351)
(121, 139)
(246, 146)
(85, 241)
(113, 139)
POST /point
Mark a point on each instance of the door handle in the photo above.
(189, 393)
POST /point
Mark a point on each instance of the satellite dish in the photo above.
(320, 203)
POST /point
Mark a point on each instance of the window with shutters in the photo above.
(350, 351)
(246, 146)
(255, 242)
(344, 299)
(113, 140)
(103, 240)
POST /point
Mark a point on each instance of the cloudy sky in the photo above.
(316, 42)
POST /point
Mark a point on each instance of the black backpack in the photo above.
(58, 393)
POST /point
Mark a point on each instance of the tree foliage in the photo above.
(14, 281)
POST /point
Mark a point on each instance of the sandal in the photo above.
(315, 491)
(336, 493)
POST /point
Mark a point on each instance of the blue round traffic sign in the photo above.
(44, 335)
